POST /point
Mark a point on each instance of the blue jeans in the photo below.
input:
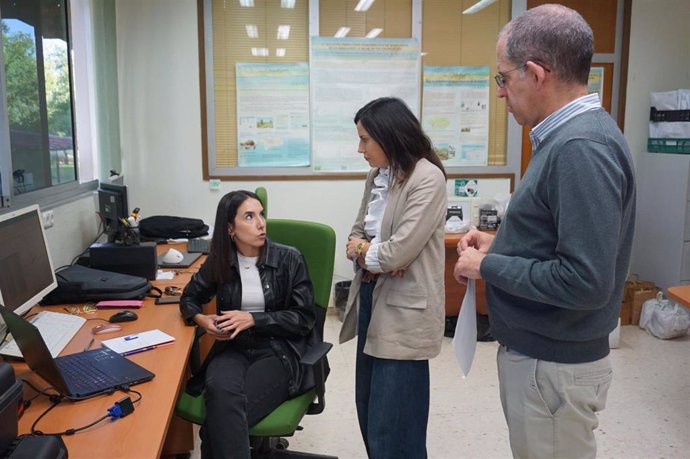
(392, 397)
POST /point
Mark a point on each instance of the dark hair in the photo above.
(554, 36)
(223, 249)
(395, 128)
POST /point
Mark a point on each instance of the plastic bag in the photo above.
(664, 318)
(456, 225)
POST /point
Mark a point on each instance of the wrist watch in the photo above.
(359, 248)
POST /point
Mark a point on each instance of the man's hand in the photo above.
(476, 239)
(468, 264)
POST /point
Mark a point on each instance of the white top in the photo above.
(252, 293)
(372, 221)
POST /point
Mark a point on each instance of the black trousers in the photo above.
(244, 383)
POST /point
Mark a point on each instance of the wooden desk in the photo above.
(143, 433)
(680, 294)
(456, 292)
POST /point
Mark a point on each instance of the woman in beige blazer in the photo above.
(396, 300)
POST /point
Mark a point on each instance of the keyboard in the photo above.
(57, 329)
(83, 375)
(198, 245)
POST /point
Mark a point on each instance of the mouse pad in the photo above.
(188, 259)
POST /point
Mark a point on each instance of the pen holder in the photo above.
(131, 236)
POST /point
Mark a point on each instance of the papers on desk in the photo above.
(165, 275)
(465, 338)
(138, 342)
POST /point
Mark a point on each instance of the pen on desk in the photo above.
(143, 349)
(89, 345)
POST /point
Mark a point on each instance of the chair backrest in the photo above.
(317, 244)
(263, 197)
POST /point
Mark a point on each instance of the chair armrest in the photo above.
(316, 357)
(315, 353)
(195, 352)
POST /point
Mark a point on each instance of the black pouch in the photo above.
(79, 284)
(167, 227)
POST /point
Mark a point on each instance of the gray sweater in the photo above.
(555, 272)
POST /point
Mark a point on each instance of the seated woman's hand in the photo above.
(208, 323)
(231, 323)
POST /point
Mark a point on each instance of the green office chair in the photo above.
(263, 197)
(317, 244)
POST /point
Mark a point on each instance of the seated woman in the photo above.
(264, 315)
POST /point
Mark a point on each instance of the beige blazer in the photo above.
(408, 312)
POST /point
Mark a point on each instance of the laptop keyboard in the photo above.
(57, 329)
(198, 245)
(83, 376)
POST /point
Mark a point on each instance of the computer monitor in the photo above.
(112, 203)
(26, 270)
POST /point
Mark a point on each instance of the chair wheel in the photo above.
(282, 443)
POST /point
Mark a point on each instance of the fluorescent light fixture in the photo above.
(342, 32)
(280, 52)
(480, 5)
(247, 3)
(252, 30)
(283, 32)
(260, 52)
(287, 4)
(363, 5)
(373, 33)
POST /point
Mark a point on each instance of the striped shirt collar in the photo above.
(561, 116)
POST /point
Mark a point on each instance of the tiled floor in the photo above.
(647, 414)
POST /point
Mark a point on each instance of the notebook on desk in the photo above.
(78, 376)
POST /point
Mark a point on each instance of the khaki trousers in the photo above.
(551, 407)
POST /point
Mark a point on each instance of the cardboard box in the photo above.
(635, 293)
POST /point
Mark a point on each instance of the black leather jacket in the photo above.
(289, 315)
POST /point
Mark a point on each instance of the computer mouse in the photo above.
(173, 256)
(123, 316)
(105, 328)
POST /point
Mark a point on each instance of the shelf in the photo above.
(678, 146)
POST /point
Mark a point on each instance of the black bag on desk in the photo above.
(79, 284)
(166, 227)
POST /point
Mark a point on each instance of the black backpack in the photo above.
(79, 284)
(167, 227)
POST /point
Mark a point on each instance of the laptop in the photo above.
(77, 376)
(186, 262)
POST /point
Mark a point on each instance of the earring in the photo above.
(232, 237)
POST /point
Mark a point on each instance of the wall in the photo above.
(659, 61)
(160, 119)
(75, 228)
(161, 133)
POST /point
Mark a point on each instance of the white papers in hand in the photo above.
(465, 339)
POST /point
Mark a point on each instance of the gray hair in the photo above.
(554, 36)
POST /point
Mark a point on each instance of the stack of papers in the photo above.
(138, 342)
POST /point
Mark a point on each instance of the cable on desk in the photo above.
(119, 409)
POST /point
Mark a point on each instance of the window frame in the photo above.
(209, 171)
(54, 195)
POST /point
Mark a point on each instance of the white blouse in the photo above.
(372, 221)
(252, 294)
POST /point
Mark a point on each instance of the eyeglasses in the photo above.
(500, 77)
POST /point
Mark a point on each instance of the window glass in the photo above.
(35, 54)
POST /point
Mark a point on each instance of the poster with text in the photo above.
(346, 74)
(272, 115)
(455, 113)
(595, 82)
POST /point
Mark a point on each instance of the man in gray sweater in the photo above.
(555, 270)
